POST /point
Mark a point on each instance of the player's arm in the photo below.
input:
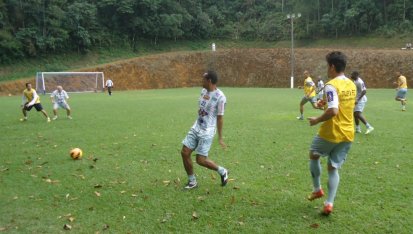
(220, 121)
(332, 106)
(31, 102)
(66, 96)
(52, 97)
(24, 100)
(361, 95)
(220, 125)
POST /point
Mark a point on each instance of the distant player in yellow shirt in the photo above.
(336, 133)
(309, 94)
(30, 100)
(401, 89)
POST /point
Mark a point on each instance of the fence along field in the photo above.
(131, 176)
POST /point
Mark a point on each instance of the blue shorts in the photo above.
(359, 106)
(198, 142)
(401, 93)
(336, 152)
(305, 99)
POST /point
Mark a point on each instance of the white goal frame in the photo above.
(41, 85)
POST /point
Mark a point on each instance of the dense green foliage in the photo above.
(37, 27)
(131, 176)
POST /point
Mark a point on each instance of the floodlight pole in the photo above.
(292, 17)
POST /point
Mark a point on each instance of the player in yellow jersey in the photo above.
(309, 94)
(401, 89)
(336, 133)
(30, 100)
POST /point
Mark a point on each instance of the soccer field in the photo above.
(131, 176)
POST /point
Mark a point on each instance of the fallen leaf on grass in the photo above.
(134, 195)
(195, 215)
(3, 229)
(315, 225)
(166, 182)
(67, 227)
(71, 219)
(51, 181)
(229, 180)
(236, 187)
(4, 169)
(241, 223)
(201, 198)
(123, 191)
(105, 226)
(97, 193)
(97, 186)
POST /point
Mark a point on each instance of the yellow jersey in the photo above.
(340, 128)
(309, 87)
(401, 82)
(30, 94)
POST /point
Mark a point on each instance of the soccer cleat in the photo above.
(369, 130)
(191, 185)
(23, 119)
(69, 117)
(316, 195)
(54, 118)
(403, 108)
(328, 208)
(300, 118)
(224, 178)
(358, 130)
(48, 119)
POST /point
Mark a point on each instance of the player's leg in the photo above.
(68, 110)
(335, 160)
(189, 144)
(318, 148)
(55, 107)
(203, 160)
(302, 103)
(24, 111)
(39, 108)
(313, 101)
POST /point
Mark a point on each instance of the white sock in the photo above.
(221, 170)
(192, 178)
(368, 125)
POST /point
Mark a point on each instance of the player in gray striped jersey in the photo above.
(200, 136)
(361, 101)
(59, 99)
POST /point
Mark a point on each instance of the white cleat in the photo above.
(369, 130)
(54, 118)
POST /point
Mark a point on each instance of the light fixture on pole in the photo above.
(292, 17)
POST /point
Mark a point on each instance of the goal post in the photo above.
(72, 82)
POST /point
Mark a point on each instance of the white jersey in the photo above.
(109, 83)
(320, 87)
(59, 97)
(211, 104)
(360, 88)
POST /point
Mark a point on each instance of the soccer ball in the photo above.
(76, 153)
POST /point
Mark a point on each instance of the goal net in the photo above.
(74, 82)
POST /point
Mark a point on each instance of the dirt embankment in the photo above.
(244, 68)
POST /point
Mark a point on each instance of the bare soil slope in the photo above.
(244, 68)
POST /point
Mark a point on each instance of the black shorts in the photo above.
(37, 106)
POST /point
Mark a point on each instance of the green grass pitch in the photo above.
(131, 176)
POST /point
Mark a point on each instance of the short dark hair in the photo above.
(27, 84)
(212, 76)
(355, 75)
(338, 59)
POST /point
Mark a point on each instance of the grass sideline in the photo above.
(130, 179)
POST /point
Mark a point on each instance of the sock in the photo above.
(368, 125)
(221, 170)
(192, 178)
(315, 169)
(358, 127)
(333, 181)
